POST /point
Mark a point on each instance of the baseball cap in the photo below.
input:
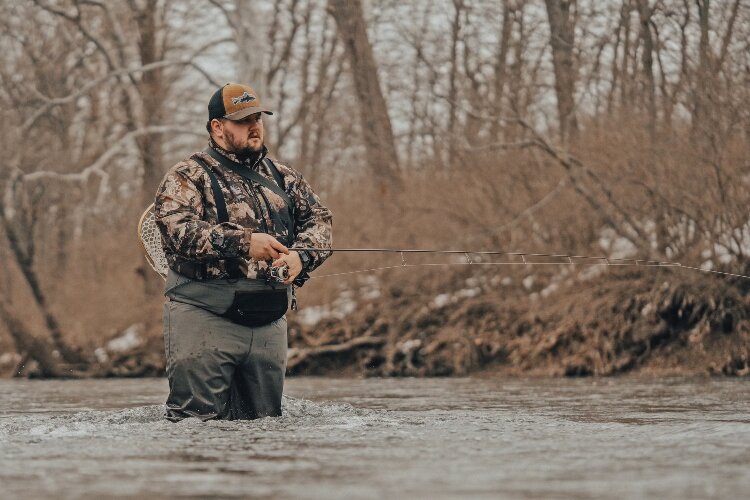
(234, 101)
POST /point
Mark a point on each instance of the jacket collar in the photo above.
(251, 162)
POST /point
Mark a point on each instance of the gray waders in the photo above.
(218, 369)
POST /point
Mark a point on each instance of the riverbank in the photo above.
(666, 322)
(662, 322)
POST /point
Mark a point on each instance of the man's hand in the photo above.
(293, 262)
(264, 247)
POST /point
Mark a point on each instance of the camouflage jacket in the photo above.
(195, 243)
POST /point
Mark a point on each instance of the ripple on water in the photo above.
(112, 423)
(405, 438)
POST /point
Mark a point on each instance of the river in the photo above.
(384, 438)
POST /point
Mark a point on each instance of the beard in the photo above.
(243, 150)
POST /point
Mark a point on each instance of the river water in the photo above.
(381, 438)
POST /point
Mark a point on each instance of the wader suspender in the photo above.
(277, 187)
(233, 267)
(221, 204)
(251, 175)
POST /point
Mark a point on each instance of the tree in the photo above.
(562, 41)
(376, 127)
(647, 61)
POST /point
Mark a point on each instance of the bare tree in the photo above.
(562, 41)
(649, 86)
(297, 61)
(375, 123)
(501, 68)
(90, 106)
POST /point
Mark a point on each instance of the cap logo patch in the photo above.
(245, 97)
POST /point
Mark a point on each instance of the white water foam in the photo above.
(118, 422)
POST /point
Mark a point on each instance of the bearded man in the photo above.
(228, 217)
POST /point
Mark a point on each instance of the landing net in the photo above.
(150, 238)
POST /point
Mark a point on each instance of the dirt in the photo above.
(664, 322)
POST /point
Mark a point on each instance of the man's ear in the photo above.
(217, 129)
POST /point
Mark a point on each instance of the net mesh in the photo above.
(151, 241)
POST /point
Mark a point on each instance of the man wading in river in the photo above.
(227, 216)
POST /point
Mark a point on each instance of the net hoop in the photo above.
(150, 238)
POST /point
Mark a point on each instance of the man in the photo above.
(224, 325)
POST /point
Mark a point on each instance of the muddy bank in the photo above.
(666, 322)
(662, 322)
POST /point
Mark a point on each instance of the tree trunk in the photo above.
(376, 125)
(248, 41)
(152, 90)
(562, 27)
(452, 82)
(25, 264)
(500, 71)
(615, 66)
(703, 85)
(647, 62)
(516, 80)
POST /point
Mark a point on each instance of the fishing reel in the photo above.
(277, 274)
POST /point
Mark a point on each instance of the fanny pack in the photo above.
(248, 302)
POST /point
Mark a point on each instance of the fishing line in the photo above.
(575, 260)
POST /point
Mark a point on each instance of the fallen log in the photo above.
(302, 355)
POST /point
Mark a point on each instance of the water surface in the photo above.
(376, 438)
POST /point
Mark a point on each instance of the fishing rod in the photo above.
(527, 259)
(150, 238)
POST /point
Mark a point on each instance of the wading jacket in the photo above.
(198, 246)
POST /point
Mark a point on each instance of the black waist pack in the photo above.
(246, 302)
(258, 307)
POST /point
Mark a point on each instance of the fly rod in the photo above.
(527, 258)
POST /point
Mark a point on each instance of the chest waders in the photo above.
(226, 340)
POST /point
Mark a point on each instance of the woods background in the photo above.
(618, 128)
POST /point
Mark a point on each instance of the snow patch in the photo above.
(370, 288)
(528, 282)
(551, 288)
(409, 345)
(591, 272)
(444, 299)
(468, 293)
(371, 294)
(441, 300)
(617, 247)
(647, 309)
(472, 282)
(9, 359)
(343, 306)
(502, 281)
(313, 315)
(129, 339)
(101, 355)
